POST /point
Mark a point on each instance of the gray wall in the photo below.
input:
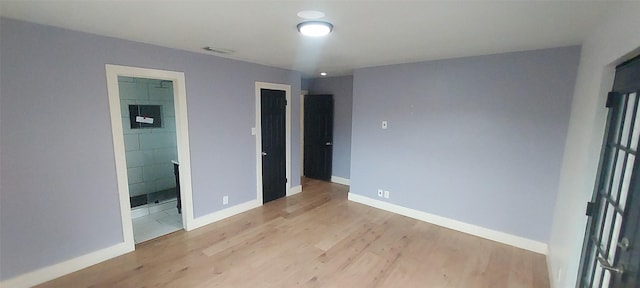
(342, 90)
(478, 139)
(59, 197)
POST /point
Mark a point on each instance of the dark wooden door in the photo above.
(273, 131)
(318, 136)
(611, 253)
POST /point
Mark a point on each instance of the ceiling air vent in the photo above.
(218, 50)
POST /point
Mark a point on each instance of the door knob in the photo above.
(328, 144)
(624, 244)
(605, 265)
(264, 153)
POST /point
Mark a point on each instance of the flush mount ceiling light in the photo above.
(315, 28)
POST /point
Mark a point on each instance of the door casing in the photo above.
(258, 129)
(182, 134)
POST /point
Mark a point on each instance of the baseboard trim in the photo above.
(54, 271)
(222, 214)
(512, 240)
(294, 190)
(340, 180)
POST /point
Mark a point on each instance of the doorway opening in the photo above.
(273, 140)
(148, 117)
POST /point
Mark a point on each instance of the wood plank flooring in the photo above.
(317, 239)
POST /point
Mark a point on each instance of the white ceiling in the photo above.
(366, 33)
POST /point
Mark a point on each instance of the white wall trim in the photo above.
(63, 268)
(486, 233)
(340, 180)
(287, 89)
(294, 190)
(182, 134)
(552, 276)
(225, 213)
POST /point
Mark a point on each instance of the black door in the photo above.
(318, 136)
(611, 251)
(273, 131)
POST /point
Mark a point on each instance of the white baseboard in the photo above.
(516, 241)
(222, 214)
(294, 190)
(54, 271)
(340, 180)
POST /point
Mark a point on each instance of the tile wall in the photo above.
(149, 151)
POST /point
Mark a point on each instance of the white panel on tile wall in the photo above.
(135, 159)
(157, 171)
(169, 124)
(133, 91)
(149, 173)
(134, 174)
(158, 140)
(141, 188)
(165, 155)
(165, 183)
(162, 94)
(131, 142)
(168, 109)
(148, 157)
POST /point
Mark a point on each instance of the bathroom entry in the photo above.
(148, 125)
(151, 148)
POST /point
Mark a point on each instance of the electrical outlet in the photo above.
(386, 194)
(225, 200)
(380, 192)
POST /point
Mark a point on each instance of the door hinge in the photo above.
(286, 102)
(611, 98)
(286, 180)
(591, 207)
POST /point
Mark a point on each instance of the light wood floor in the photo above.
(317, 239)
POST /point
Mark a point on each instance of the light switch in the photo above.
(384, 124)
(253, 130)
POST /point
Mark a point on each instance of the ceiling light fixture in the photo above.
(323, 74)
(315, 28)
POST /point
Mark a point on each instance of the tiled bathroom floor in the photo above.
(157, 224)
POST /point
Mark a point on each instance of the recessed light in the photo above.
(217, 50)
(323, 74)
(310, 14)
(315, 28)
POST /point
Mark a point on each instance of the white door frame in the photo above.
(182, 134)
(287, 90)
